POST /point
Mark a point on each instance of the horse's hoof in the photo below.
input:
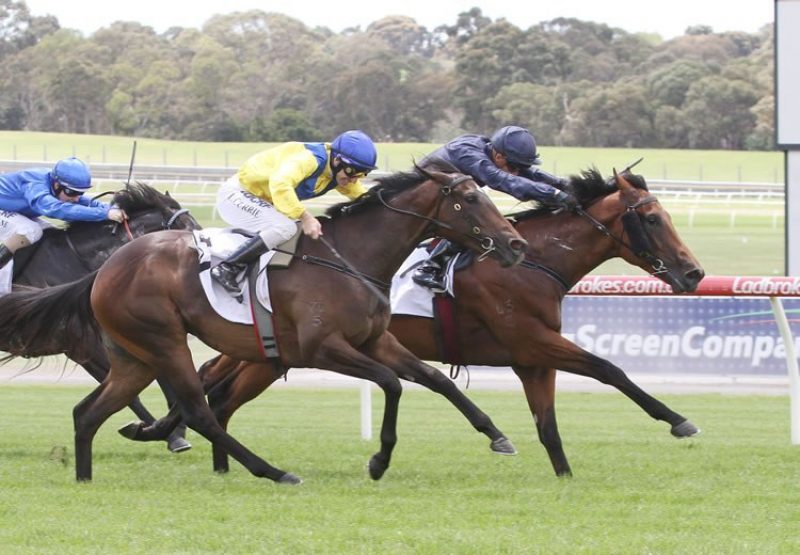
(503, 446)
(131, 430)
(684, 429)
(377, 467)
(178, 445)
(290, 479)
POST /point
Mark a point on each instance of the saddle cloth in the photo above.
(6, 278)
(414, 300)
(213, 245)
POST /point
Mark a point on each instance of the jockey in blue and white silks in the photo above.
(55, 193)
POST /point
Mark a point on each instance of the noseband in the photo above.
(486, 242)
(175, 215)
(640, 244)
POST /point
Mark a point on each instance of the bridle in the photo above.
(639, 244)
(165, 225)
(486, 243)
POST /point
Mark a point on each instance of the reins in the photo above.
(486, 243)
(639, 243)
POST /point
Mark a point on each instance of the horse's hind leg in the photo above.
(408, 367)
(539, 384)
(125, 380)
(229, 385)
(98, 366)
(176, 367)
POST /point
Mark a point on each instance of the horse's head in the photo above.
(466, 215)
(149, 210)
(649, 240)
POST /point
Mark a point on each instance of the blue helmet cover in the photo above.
(356, 149)
(73, 173)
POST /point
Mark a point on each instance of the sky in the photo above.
(668, 18)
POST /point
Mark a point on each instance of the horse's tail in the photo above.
(54, 320)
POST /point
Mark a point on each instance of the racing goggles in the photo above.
(352, 171)
(71, 192)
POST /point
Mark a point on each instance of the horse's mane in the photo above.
(587, 187)
(134, 198)
(141, 196)
(390, 186)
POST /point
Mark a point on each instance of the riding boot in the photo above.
(5, 255)
(226, 272)
(430, 273)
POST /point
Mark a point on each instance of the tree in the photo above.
(718, 113)
(19, 29)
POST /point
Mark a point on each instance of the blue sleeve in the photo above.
(45, 204)
(475, 162)
(86, 200)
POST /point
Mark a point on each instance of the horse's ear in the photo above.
(626, 189)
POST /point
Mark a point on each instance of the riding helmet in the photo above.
(517, 145)
(356, 149)
(73, 173)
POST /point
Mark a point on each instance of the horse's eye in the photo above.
(471, 198)
(651, 219)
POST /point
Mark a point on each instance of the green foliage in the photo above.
(397, 80)
(635, 490)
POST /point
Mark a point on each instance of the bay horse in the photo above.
(148, 296)
(512, 317)
(66, 254)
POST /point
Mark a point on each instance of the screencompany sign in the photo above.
(681, 334)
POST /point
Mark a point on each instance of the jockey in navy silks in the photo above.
(505, 162)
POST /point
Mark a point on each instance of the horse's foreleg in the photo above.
(337, 355)
(409, 367)
(566, 356)
(243, 382)
(539, 384)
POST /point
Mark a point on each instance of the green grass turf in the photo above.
(635, 490)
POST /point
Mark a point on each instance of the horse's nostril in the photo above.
(695, 275)
(518, 245)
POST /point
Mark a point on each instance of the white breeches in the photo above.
(17, 231)
(240, 208)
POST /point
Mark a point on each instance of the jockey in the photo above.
(265, 194)
(58, 193)
(503, 162)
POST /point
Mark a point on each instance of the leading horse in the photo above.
(66, 254)
(148, 297)
(512, 317)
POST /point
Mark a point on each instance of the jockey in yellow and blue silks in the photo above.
(58, 193)
(265, 194)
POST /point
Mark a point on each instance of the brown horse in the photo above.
(148, 297)
(513, 317)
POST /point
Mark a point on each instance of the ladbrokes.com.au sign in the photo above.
(683, 334)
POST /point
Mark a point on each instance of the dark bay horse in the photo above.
(512, 317)
(66, 254)
(147, 297)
